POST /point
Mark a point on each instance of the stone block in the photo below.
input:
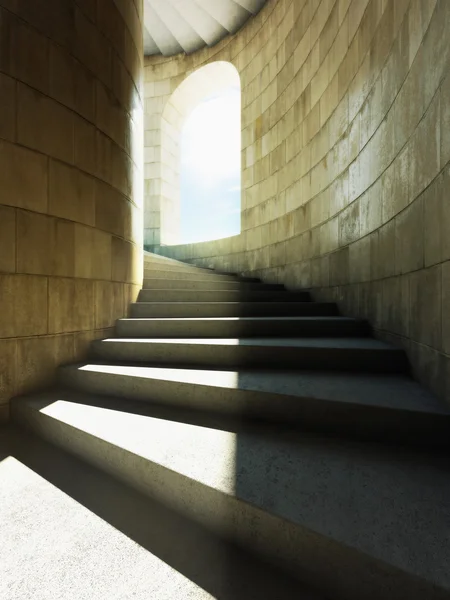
(445, 121)
(64, 250)
(29, 55)
(395, 313)
(35, 243)
(37, 359)
(44, 124)
(24, 301)
(395, 186)
(8, 370)
(84, 92)
(370, 205)
(371, 302)
(443, 188)
(62, 76)
(112, 210)
(92, 253)
(409, 238)
(109, 303)
(121, 260)
(433, 223)
(446, 307)
(71, 305)
(360, 261)
(349, 224)
(7, 239)
(23, 177)
(8, 103)
(426, 306)
(339, 267)
(385, 256)
(85, 156)
(425, 150)
(428, 367)
(92, 48)
(104, 150)
(101, 255)
(71, 194)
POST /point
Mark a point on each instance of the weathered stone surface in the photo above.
(54, 58)
(353, 106)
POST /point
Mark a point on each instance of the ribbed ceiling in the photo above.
(174, 26)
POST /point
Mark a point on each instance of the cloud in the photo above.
(211, 139)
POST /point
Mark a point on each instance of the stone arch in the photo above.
(162, 212)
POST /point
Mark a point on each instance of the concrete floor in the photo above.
(71, 532)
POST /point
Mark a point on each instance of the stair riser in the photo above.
(218, 309)
(193, 284)
(339, 571)
(177, 268)
(158, 274)
(215, 356)
(187, 269)
(239, 329)
(360, 422)
(221, 296)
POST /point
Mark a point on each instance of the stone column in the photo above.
(70, 180)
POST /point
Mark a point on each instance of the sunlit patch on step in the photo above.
(207, 456)
(53, 547)
(229, 379)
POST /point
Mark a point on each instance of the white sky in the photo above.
(211, 169)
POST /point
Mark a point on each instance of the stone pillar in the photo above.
(70, 180)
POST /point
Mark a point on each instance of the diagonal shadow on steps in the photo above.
(220, 568)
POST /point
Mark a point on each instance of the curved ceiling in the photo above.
(174, 26)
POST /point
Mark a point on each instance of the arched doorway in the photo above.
(193, 116)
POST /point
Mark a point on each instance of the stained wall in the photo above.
(345, 162)
(70, 180)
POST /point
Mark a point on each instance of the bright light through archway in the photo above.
(211, 169)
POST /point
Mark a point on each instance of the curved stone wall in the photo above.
(346, 145)
(70, 180)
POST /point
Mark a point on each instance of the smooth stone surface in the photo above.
(389, 408)
(308, 353)
(335, 499)
(231, 309)
(221, 296)
(227, 327)
(70, 531)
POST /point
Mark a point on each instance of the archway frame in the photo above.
(166, 114)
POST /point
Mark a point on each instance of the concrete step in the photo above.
(182, 268)
(348, 354)
(199, 276)
(71, 531)
(357, 519)
(207, 284)
(232, 309)
(222, 296)
(150, 257)
(236, 327)
(389, 408)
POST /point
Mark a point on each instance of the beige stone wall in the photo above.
(70, 180)
(346, 149)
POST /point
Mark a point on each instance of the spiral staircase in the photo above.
(174, 26)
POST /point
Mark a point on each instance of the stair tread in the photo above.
(237, 303)
(340, 343)
(388, 504)
(293, 318)
(386, 391)
(71, 531)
